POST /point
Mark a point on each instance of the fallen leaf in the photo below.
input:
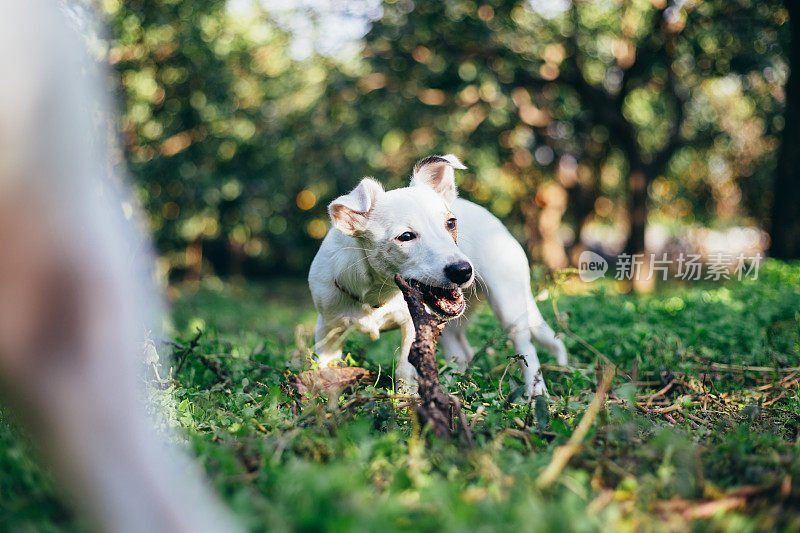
(328, 381)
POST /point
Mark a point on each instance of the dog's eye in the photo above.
(406, 236)
(451, 224)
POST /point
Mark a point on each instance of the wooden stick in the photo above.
(434, 403)
(463, 420)
(563, 454)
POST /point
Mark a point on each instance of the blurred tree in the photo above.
(562, 97)
(570, 119)
(785, 224)
(226, 134)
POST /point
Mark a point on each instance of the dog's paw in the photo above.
(561, 353)
(537, 388)
(405, 379)
(404, 388)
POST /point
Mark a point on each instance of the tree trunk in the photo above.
(785, 227)
(581, 198)
(637, 210)
(543, 220)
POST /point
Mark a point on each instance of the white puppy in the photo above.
(425, 233)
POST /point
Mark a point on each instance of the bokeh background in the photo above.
(611, 125)
(605, 125)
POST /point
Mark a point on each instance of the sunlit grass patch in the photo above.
(700, 423)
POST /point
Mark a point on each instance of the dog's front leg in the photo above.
(531, 369)
(455, 346)
(406, 374)
(328, 341)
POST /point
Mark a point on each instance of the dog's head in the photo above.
(412, 231)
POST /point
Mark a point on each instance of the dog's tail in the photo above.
(543, 334)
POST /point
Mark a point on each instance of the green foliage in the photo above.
(27, 495)
(237, 148)
(358, 464)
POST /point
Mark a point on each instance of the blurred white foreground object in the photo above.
(75, 295)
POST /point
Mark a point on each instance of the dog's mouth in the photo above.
(448, 303)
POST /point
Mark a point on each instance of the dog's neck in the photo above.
(355, 277)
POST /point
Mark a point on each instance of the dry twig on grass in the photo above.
(563, 454)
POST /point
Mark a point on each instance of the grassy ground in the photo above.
(700, 429)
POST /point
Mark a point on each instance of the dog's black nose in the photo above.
(459, 273)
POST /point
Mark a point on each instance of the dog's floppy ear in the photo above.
(436, 172)
(349, 213)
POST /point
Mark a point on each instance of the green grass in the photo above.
(721, 439)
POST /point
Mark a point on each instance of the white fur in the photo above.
(361, 254)
(74, 298)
